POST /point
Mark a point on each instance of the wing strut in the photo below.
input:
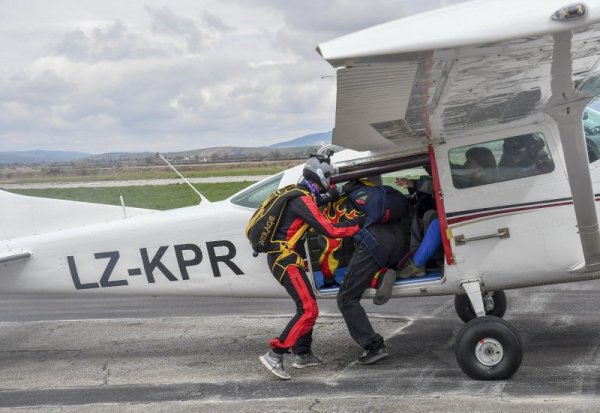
(566, 106)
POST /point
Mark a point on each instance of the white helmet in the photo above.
(318, 171)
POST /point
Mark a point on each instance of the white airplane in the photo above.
(422, 90)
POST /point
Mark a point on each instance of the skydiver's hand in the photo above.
(348, 187)
(333, 194)
(408, 183)
(330, 196)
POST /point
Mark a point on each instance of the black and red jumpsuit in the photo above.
(288, 268)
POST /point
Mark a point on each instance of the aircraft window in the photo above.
(253, 197)
(591, 126)
(412, 173)
(500, 160)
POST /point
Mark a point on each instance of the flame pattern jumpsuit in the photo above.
(287, 266)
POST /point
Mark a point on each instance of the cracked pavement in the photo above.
(196, 354)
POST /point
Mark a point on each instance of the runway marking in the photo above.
(333, 380)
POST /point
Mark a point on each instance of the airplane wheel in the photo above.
(489, 348)
(494, 304)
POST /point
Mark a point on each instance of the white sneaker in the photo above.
(274, 363)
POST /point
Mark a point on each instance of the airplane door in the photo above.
(507, 203)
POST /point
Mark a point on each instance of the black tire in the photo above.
(465, 311)
(489, 348)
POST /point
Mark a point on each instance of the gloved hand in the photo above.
(330, 196)
(349, 187)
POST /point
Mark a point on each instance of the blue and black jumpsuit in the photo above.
(287, 267)
(380, 246)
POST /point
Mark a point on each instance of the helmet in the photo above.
(521, 150)
(319, 172)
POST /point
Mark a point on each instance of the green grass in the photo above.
(159, 197)
(135, 174)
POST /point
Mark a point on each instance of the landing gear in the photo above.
(493, 304)
(489, 348)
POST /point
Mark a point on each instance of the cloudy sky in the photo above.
(146, 75)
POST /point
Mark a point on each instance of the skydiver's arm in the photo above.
(331, 196)
(305, 207)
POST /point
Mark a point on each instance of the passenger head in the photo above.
(521, 150)
(479, 157)
(318, 171)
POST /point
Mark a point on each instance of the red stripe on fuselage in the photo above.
(470, 217)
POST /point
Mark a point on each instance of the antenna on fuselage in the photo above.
(202, 197)
(114, 169)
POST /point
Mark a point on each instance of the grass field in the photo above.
(38, 174)
(163, 197)
(160, 197)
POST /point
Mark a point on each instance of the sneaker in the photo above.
(411, 270)
(274, 363)
(370, 356)
(384, 292)
(306, 360)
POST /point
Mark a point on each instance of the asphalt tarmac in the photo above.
(156, 354)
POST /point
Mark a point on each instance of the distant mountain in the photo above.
(38, 156)
(120, 156)
(315, 139)
(237, 153)
(295, 148)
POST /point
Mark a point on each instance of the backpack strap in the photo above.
(289, 245)
(299, 234)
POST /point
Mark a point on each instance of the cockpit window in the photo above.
(254, 196)
(500, 160)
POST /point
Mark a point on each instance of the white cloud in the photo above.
(142, 76)
(215, 22)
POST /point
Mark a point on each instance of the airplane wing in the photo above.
(432, 77)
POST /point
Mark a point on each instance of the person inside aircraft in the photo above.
(479, 157)
(525, 155)
(480, 161)
(287, 266)
(416, 265)
(382, 243)
(425, 237)
(424, 209)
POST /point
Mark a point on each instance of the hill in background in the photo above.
(315, 139)
(39, 156)
(293, 149)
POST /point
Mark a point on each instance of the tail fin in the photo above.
(22, 216)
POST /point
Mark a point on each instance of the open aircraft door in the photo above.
(507, 208)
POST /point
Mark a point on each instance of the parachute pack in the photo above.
(380, 203)
(264, 222)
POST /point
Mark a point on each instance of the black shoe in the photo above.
(330, 284)
(384, 292)
(370, 356)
